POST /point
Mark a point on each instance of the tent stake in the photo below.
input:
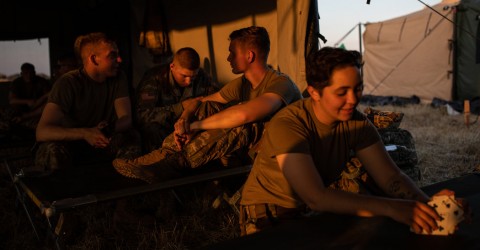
(466, 112)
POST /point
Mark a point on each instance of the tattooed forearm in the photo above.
(397, 190)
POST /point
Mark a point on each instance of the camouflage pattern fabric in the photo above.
(213, 144)
(398, 137)
(255, 218)
(206, 146)
(384, 119)
(405, 155)
(159, 102)
(353, 179)
(56, 155)
(53, 155)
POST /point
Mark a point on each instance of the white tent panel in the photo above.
(410, 55)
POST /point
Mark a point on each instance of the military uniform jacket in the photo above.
(159, 98)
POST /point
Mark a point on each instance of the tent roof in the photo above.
(410, 55)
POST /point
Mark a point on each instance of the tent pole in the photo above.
(348, 33)
(360, 38)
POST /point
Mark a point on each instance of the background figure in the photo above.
(27, 98)
(88, 115)
(65, 64)
(164, 91)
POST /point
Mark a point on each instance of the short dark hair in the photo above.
(188, 58)
(322, 63)
(92, 38)
(27, 66)
(253, 36)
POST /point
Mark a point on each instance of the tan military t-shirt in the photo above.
(240, 90)
(295, 129)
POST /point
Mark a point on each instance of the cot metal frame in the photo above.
(61, 191)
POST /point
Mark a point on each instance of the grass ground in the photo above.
(446, 148)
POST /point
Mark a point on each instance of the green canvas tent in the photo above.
(429, 54)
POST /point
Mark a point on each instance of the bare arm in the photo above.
(124, 114)
(305, 180)
(36, 111)
(237, 115)
(215, 97)
(49, 129)
(387, 175)
(190, 106)
(234, 116)
(182, 130)
(13, 100)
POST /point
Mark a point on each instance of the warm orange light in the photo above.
(152, 39)
(364, 213)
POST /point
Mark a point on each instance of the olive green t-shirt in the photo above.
(240, 89)
(85, 102)
(295, 129)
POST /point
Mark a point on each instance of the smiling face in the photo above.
(337, 101)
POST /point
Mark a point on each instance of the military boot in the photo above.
(160, 164)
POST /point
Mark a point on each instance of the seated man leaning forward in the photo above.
(88, 115)
(27, 97)
(199, 136)
(163, 93)
(307, 148)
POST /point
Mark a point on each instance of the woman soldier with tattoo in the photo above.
(305, 160)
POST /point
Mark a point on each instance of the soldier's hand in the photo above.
(182, 126)
(190, 105)
(106, 128)
(96, 138)
(182, 140)
(418, 215)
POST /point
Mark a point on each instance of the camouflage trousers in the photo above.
(228, 146)
(56, 155)
(213, 144)
(255, 218)
(154, 132)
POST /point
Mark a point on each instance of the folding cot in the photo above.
(63, 190)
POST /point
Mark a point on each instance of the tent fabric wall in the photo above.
(411, 55)
(467, 82)
(202, 24)
(206, 25)
(292, 22)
